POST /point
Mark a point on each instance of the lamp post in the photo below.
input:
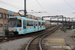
(72, 22)
(69, 20)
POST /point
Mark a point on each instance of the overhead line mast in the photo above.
(25, 8)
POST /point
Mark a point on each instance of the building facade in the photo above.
(4, 14)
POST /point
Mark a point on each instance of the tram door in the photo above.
(43, 25)
(34, 26)
(39, 25)
(24, 26)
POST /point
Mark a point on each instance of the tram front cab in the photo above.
(14, 26)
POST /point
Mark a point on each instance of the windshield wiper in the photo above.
(14, 24)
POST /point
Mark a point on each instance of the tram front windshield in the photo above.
(14, 23)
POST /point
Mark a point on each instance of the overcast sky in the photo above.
(53, 7)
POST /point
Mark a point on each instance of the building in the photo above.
(4, 14)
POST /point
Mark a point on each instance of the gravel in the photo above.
(14, 45)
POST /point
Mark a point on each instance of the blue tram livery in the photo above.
(21, 25)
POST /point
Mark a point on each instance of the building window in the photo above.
(24, 24)
(7, 16)
(4, 16)
(4, 26)
(0, 15)
(1, 25)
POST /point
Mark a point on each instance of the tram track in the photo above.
(22, 36)
(36, 42)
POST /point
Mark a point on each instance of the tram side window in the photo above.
(19, 24)
(39, 23)
(24, 24)
(36, 23)
(4, 16)
(29, 23)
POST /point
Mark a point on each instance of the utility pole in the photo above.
(69, 20)
(58, 21)
(62, 22)
(25, 8)
(65, 21)
(72, 23)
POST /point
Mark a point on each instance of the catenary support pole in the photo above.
(25, 8)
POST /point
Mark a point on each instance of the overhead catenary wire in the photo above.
(11, 5)
(41, 6)
(17, 7)
(69, 5)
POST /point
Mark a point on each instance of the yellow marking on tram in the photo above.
(19, 18)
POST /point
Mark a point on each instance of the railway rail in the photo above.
(74, 36)
(6, 39)
(36, 42)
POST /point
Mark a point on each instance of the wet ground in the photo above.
(14, 45)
